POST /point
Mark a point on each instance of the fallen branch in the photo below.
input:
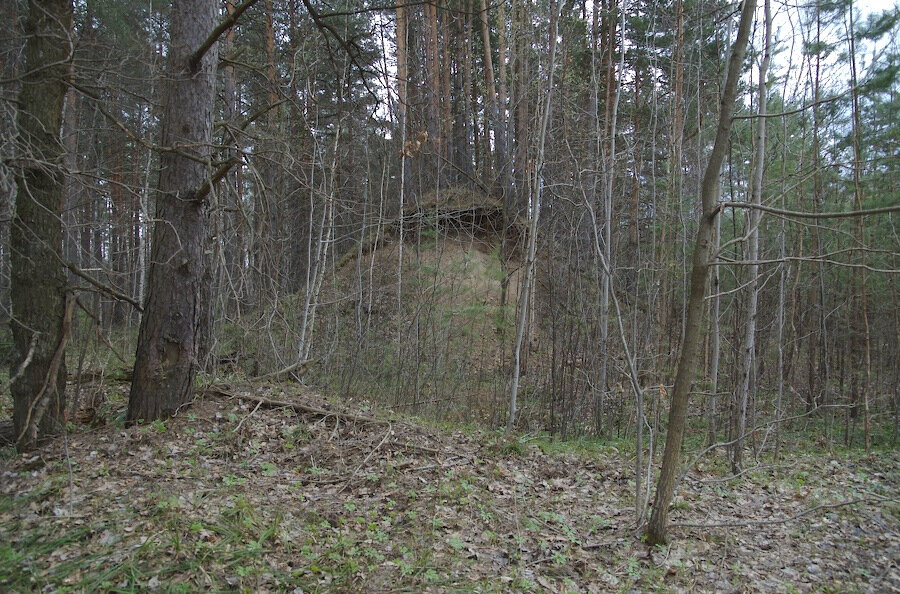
(270, 402)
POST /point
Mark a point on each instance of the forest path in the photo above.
(236, 494)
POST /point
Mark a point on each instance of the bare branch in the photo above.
(729, 262)
(226, 24)
(103, 288)
(812, 215)
(792, 111)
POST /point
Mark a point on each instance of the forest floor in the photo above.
(234, 493)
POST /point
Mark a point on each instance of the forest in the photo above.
(449, 295)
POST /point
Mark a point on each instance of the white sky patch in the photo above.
(794, 28)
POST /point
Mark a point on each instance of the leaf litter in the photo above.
(278, 489)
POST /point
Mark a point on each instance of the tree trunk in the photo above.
(748, 349)
(433, 94)
(525, 291)
(687, 362)
(673, 200)
(38, 283)
(609, 174)
(169, 338)
(500, 163)
(715, 337)
(862, 355)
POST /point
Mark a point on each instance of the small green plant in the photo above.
(514, 446)
(231, 480)
(633, 568)
(456, 543)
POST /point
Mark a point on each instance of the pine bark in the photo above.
(169, 338)
(402, 69)
(38, 283)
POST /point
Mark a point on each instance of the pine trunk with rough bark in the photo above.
(169, 338)
(38, 283)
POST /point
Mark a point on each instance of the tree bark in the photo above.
(533, 228)
(433, 94)
(667, 258)
(743, 394)
(500, 163)
(38, 283)
(657, 530)
(862, 356)
(169, 338)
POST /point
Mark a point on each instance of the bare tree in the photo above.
(658, 527)
(535, 207)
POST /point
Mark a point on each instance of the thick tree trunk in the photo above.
(169, 339)
(687, 363)
(38, 283)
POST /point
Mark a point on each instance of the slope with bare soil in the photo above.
(299, 493)
(443, 345)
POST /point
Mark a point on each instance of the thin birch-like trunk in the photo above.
(863, 306)
(748, 348)
(533, 228)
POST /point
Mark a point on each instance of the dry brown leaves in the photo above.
(234, 494)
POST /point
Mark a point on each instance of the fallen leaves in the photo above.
(295, 495)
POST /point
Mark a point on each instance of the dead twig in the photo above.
(777, 521)
(253, 412)
(367, 458)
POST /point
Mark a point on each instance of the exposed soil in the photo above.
(237, 494)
